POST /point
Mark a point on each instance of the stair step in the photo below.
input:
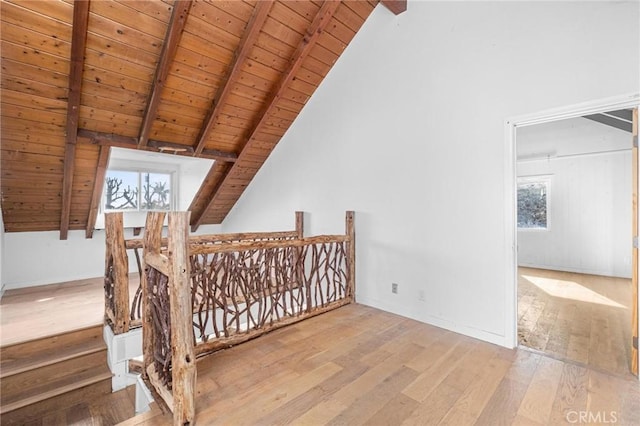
(25, 356)
(155, 416)
(42, 412)
(31, 386)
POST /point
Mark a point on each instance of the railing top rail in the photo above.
(216, 238)
(254, 245)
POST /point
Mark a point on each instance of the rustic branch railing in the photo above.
(198, 298)
(121, 313)
(240, 291)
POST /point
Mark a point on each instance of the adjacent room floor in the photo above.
(577, 317)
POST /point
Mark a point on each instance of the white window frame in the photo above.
(547, 181)
(173, 199)
(145, 167)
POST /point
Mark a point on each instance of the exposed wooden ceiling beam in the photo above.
(174, 32)
(213, 180)
(108, 139)
(249, 38)
(622, 114)
(396, 6)
(78, 43)
(321, 20)
(98, 184)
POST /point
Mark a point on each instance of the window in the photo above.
(126, 190)
(533, 202)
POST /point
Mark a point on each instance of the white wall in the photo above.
(38, 258)
(589, 201)
(408, 131)
(35, 258)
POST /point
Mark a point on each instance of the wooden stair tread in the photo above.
(96, 393)
(21, 357)
(15, 366)
(54, 388)
(55, 379)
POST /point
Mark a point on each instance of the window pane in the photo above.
(121, 190)
(156, 191)
(532, 205)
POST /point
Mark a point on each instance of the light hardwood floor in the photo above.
(583, 318)
(35, 312)
(359, 365)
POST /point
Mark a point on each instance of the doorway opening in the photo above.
(571, 228)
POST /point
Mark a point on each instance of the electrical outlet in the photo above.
(421, 296)
(394, 288)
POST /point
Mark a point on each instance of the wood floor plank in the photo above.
(503, 406)
(571, 395)
(395, 411)
(629, 391)
(538, 400)
(472, 401)
(434, 352)
(432, 411)
(270, 401)
(604, 397)
(341, 400)
(363, 408)
(441, 399)
(429, 380)
(321, 392)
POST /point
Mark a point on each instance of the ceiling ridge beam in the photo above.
(607, 120)
(78, 44)
(617, 116)
(319, 23)
(110, 139)
(249, 38)
(169, 48)
(216, 168)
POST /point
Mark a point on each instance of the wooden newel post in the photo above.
(300, 224)
(183, 360)
(350, 231)
(116, 258)
(151, 243)
(298, 263)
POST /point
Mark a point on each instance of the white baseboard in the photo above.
(475, 333)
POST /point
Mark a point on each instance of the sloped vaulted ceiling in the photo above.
(213, 79)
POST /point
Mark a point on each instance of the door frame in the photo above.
(510, 214)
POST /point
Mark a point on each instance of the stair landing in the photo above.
(35, 312)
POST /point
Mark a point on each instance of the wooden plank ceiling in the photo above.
(213, 79)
